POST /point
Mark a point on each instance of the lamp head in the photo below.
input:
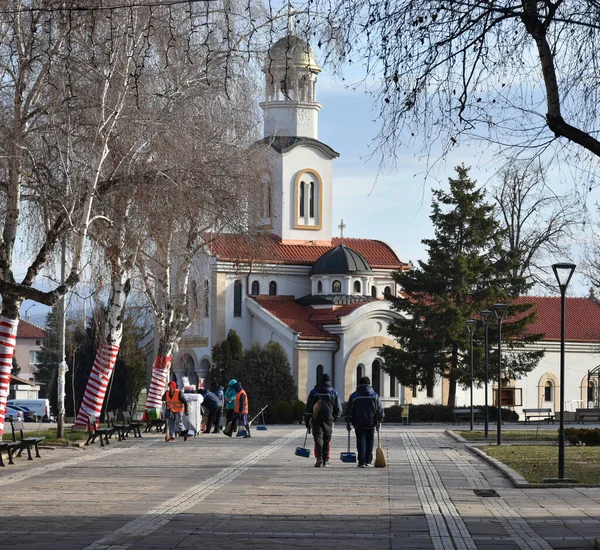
(486, 316)
(500, 311)
(563, 273)
(471, 326)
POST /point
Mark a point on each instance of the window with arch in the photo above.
(237, 298)
(308, 199)
(320, 287)
(336, 286)
(376, 377)
(206, 298)
(373, 291)
(387, 291)
(255, 290)
(360, 372)
(591, 392)
(319, 372)
(272, 288)
(357, 286)
(548, 391)
(392, 385)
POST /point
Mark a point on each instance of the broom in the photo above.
(380, 461)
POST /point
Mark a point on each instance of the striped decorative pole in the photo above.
(95, 390)
(8, 340)
(158, 382)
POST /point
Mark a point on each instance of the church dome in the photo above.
(340, 260)
(291, 51)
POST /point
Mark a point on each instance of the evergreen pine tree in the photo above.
(226, 355)
(466, 272)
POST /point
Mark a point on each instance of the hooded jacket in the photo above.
(331, 406)
(364, 408)
(230, 394)
(211, 401)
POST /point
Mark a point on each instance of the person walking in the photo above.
(176, 406)
(323, 408)
(229, 398)
(214, 406)
(365, 412)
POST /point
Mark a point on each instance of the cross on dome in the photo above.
(341, 227)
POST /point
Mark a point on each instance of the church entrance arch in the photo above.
(357, 357)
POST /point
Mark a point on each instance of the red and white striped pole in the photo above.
(95, 391)
(158, 382)
(8, 340)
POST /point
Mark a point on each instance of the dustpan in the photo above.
(241, 433)
(380, 461)
(303, 451)
(261, 413)
(348, 456)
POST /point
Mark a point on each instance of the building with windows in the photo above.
(322, 298)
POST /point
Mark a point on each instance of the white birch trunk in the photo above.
(8, 340)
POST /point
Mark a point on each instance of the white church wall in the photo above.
(287, 285)
(316, 358)
(242, 324)
(299, 159)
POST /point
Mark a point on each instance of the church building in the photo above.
(322, 298)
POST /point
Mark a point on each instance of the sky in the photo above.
(394, 206)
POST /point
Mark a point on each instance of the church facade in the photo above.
(322, 298)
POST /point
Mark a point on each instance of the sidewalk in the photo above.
(215, 492)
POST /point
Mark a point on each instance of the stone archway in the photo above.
(357, 351)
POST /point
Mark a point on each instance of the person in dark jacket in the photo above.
(214, 408)
(323, 408)
(364, 411)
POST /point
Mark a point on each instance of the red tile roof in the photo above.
(582, 318)
(27, 330)
(267, 248)
(305, 320)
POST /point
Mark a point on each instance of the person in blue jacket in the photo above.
(214, 406)
(364, 411)
(323, 408)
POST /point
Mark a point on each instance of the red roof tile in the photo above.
(305, 320)
(27, 330)
(267, 248)
(582, 318)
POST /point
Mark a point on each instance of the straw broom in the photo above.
(380, 461)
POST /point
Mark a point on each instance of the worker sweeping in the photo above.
(240, 411)
(365, 412)
(176, 406)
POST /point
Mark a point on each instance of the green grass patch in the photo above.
(512, 435)
(50, 435)
(535, 463)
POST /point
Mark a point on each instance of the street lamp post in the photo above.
(563, 273)
(486, 316)
(500, 312)
(471, 326)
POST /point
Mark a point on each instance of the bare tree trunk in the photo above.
(106, 356)
(160, 371)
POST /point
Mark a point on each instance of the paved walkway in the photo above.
(219, 493)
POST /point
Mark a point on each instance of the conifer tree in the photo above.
(466, 272)
(226, 355)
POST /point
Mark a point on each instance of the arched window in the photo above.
(591, 392)
(301, 200)
(376, 376)
(272, 288)
(320, 287)
(548, 391)
(373, 291)
(237, 298)
(360, 370)
(319, 372)
(392, 385)
(387, 291)
(206, 298)
(255, 288)
(336, 286)
(357, 286)
(311, 200)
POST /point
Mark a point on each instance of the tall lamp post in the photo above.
(500, 312)
(563, 273)
(471, 326)
(486, 317)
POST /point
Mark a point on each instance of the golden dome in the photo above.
(291, 51)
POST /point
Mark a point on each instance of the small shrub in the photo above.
(572, 436)
(282, 413)
(299, 409)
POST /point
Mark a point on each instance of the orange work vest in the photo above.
(237, 403)
(173, 402)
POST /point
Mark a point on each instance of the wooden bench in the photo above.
(120, 428)
(582, 414)
(9, 447)
(157, 422)
(544, 414)
(94, 431)
(134, 426)
(465, 414)
(25, 442)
